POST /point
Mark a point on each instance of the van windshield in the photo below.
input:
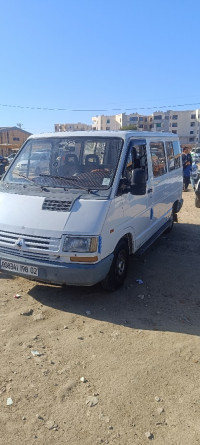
(72, 162)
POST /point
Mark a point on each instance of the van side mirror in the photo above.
(138, 182)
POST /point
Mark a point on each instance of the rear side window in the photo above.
(176, 154)
(158, 158)
(170, 155)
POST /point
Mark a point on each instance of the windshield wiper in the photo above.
(25, 177)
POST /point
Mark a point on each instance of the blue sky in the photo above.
(96, 55)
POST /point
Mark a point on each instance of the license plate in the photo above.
(19, 268)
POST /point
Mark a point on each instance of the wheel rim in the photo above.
(120, 264)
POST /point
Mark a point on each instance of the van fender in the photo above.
(115, 237)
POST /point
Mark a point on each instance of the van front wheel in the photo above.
(117, 273)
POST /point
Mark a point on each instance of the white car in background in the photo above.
(195, 153)
(39, 161)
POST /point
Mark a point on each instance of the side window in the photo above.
(158, 158)
(137, 158)
(177, 154)
(170, 155)
(127, 173)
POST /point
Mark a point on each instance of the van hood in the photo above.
(48, 216)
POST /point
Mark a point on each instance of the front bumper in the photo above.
(62, 273)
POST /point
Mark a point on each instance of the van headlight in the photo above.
(80, 244)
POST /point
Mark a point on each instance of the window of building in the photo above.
(133, 119)
(193, 116)
(175, 117)
(174, 131)
(191, 132)
(158, 125)
(174, 124)
(167, 117)
(158, 158)
(107, 128)
(108, 121)
(141, 119)
(192, 124)
(191, 139)
(140, 126)
(16, 139)
(158, 117)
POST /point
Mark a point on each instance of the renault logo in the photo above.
(19, 243)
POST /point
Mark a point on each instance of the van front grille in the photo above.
(55, 205)
(28, 246)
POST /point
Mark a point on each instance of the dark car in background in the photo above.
(3, 163)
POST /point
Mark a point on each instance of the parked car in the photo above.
(197, 192)
(39, 161)
(3, 163)
(195, 153)
(4, 160)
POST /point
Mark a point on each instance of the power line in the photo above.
(97, 110)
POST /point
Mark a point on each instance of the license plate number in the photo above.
(19, 268)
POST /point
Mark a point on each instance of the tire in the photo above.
(197, 201)
(117, 273)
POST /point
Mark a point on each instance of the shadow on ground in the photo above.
(168, 299)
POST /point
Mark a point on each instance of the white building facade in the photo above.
(184, 123)
(72, 127)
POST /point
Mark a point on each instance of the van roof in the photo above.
(107, 134)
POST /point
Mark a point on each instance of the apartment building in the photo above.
(106, 123)
(184, 123)
(118, 121)
(73, 127)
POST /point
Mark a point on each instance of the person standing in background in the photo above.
(187, 166)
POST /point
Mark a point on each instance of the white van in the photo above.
(100, 197)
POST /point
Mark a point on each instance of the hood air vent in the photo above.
(56, 206)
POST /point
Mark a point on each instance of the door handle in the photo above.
(149, 190)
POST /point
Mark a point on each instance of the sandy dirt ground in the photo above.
(82, 366)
